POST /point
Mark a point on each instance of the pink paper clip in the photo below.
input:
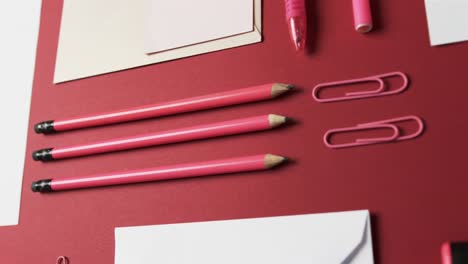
(389, 123)
(62, 260)
(380, 91)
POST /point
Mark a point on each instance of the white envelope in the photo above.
(330, 238)
(98, 37)
(19, 28)
(447, 20)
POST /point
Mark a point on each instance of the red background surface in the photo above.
(416, 190)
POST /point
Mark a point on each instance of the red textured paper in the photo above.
(416, 190)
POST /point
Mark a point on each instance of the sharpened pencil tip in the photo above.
(276, 120)
(273, 160)
(280, 88)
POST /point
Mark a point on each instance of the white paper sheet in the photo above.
(177, 23)
(332, 238)
(448, 21)
(19, 27)
(98, 37)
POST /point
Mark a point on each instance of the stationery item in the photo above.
(226, 128)
(19, 29)
(447, 20)
(380, 91)
(454, 253)
(296, 18)
(389, 124)
(328, 238)
(217, 19)
(62, 260)
(362, 16)
(234, 165)
(111, 37)
(240, 96)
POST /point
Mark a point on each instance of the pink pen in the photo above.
(238, 126)
(234, 165)
(296, 18)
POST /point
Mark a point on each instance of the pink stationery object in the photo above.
(296, 17)
(233, 165)
(382, 124)
(380, 91)
(227, 98)
(454, 252)
(62, 260)
(362, 16)
(232, 127)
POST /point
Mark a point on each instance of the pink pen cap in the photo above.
(362, 16)
(296, 17)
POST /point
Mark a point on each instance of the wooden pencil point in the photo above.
(276, 120)
(279, 89)
(273, 160)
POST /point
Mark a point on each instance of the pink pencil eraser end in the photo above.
(362, 16)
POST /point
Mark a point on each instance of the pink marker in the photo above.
(296, 18)
(235, 165)
(233, 127)
(362, 16)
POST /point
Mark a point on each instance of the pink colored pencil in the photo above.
(235, 165)
(240, 96)
(232, 127)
